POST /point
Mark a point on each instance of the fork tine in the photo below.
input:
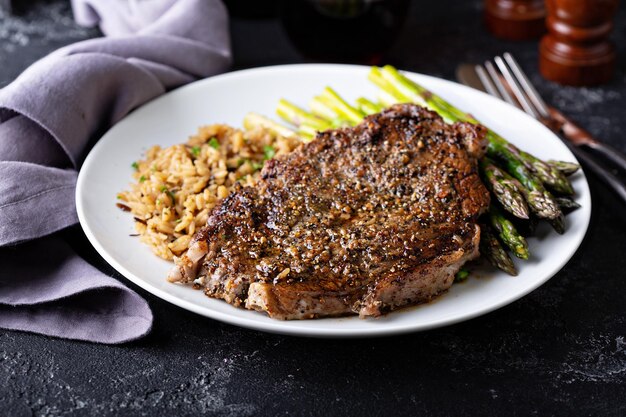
(486, 81)
(517, 91)
(529, 89)
(495, 78)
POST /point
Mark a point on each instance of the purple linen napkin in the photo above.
(48, 116)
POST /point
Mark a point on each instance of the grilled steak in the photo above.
(360, 220)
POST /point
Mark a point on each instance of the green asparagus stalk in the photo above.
(386, 99)
(507, 233)
(298, 117)
(567, 204)
(252, 120)
(558, 223)
(493, 251)
(567, 168)
(548, 174)
(505, 188)
(397, 85)
(368, 107)
(341, 107)
(540, 201)
(307, 132)
(319, 107)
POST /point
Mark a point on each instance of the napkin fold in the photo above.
(49, 117)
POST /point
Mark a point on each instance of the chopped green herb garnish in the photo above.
(269, 152)
(142, 178)
(461, 275)
(195, 151)
(135, 165)
(214, 143)
(168, 192)
(119, 196)
(256, 165)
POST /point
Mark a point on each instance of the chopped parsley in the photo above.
(256, 165)
(213, 143)
(195, 151)
(142, 178)
(269, 152)
(135, 166)
(168, 192)
(119, 196)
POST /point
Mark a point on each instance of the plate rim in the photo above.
(275, 325)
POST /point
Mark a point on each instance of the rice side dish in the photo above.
(176, 187)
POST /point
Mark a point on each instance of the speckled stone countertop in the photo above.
(559, 351)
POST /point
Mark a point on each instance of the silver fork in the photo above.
(507, 81)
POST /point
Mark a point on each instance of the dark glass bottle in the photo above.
(350, 31)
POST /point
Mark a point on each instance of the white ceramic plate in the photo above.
(171, 118)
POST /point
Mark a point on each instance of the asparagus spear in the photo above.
(548, 174)
(505, 188)
(567, 168)
(252, 120)
(297, 116)
(541, 202)
(558, 223)
(341, 107)
(387, 100)
(567, 204)
(491, 249)
(320, 108)
(368, 107)
(507, 233)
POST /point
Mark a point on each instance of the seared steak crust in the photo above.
(360, 220)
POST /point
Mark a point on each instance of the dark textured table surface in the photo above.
(561, 350)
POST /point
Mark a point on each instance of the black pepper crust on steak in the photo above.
(361, 220)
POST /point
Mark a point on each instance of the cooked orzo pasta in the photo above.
(176, 187)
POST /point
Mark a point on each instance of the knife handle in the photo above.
(604, 174)
(575, 134)
(610, 153)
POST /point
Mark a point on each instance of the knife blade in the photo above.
(466, 74)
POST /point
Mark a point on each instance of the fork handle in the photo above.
(604, 174)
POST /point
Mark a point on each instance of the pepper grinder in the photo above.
(576, 50)
(515, 19)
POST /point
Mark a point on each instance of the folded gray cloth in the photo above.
(48, 116)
